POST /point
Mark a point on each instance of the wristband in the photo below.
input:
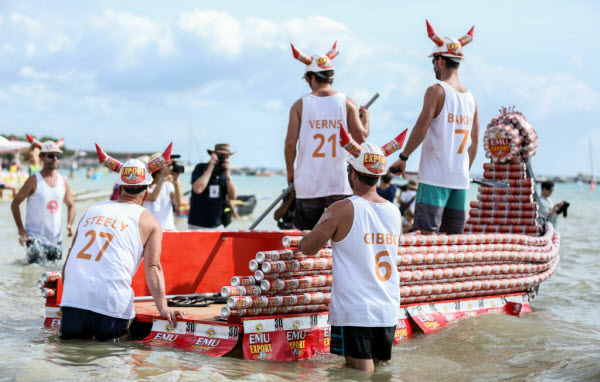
(404, 158)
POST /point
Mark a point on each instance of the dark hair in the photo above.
(386, 177)
(134, 190)
(368, 180)
(547, 185)
(450, 63)
(324, 77)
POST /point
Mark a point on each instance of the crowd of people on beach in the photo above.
(343, 193)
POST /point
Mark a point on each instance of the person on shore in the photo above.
(164, 195)
(448, 127)
(45, 192)
(387, 189)
(311, 142)
(32, 158)
(548, 210)
(112, 239)
(212, 187)
(407, 198)
(364, 230)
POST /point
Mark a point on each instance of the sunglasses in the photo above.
(433, 59)
(52, 156)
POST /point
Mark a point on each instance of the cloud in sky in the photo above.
(112, 74)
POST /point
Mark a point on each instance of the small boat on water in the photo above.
(276, 298)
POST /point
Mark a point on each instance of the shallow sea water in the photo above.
(560, 340)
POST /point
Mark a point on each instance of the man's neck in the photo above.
(47, 173)
(449, 76)
(129, 199)
(367, 192)
(322, 90)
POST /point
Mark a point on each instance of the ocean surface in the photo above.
(560, 340)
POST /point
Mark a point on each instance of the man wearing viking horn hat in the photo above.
(112, 239)
(364, 231)
(448, 127)
(314, 160)
(45, 192)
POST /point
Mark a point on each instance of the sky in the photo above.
(136, 75)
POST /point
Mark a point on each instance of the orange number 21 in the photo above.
(317, 153)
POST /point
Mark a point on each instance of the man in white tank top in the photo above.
(45, 192)
(111, 240)
(365, 294)
(315, 162)
(448, 127)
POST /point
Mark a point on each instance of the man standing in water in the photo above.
(448, 127)
(314, 126)
(111, 240)
(364, 231)
(45, 192)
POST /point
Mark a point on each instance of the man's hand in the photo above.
(70, 231)
(227, 166)
(305, 232)
(364, 115)
(214, 159)
(399, 168)
(171, 315)
(23, 238)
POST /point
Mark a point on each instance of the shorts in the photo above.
(363, 342)
(37, 251)
(309, 211)
(440, 209)
(84, 325)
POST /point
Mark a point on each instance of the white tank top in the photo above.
(444, 155)
(366, 289)
(162, 208)
(44, 210)
(103, 260)
(321, 161)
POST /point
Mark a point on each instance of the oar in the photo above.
(483, 182)
(262, 216)
(369, 103)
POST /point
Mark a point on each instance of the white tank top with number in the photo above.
(321, 161)
(103, 260)
(44, 210)
(444, 155)
(366, 290)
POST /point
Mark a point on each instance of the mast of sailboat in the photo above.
(593, 182)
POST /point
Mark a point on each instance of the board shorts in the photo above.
(440, 209)
(363, 342)
(309, 211)
(84, 325)
(38, 252)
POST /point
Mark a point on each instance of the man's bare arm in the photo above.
(68, 199)
(200, 184)
(325, 229)
(433, 96)
(154, 273)
(291, 138)
(25, 191)
(68, 254)
(358, 126)
(153, 196)
(474, 138)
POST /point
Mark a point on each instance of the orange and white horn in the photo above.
(34, 142)
(348, 143)
(436, 38)
(334, 51)
(61, 142)
(161, 161)
(395, 144)
(107, 160)
(464, 40)
(301, 56)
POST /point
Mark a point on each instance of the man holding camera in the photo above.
(548, 210)
(164, 194)
(212, 186)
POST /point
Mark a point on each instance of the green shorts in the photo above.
(440, 209)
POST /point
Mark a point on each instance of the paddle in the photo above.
(483, 182)
(262, 216)
(369, 103)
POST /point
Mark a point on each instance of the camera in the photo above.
(176, 167)
(563, 209)
(222, 158)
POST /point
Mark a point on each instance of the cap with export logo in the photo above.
(316, 63)
(134, 172)
(449, 46)
(47, 146)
